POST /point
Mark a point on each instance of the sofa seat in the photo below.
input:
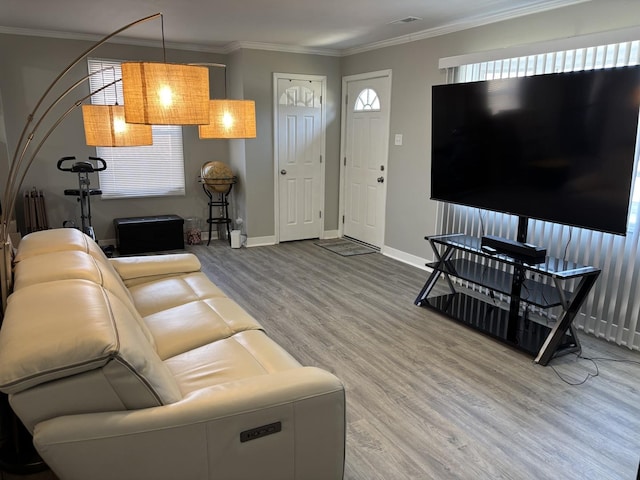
(246, 354)
(142, 368)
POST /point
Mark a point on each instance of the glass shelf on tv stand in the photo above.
(524, 283)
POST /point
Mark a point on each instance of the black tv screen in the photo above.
(556, 147)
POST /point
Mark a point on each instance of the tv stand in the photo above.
(524, 284)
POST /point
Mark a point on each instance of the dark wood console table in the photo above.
(543, 285)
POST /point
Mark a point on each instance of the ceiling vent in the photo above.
(405, 20)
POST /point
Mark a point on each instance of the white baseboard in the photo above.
(260, 241)
(404, 257)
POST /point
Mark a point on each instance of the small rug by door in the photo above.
(344, 247)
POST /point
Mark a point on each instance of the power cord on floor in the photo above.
(586, 379)
(589, 374)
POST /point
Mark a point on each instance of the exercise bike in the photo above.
(83, 192)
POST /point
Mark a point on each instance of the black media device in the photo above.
(556, 147)
(520, 250)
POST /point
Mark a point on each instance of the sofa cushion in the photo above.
(63, 328)
(69, 265)
(163, 294)
(57, 240)
(244, 355)
(185, 327)
(74, 264)
(135, 270)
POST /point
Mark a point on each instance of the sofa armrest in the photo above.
(199, 436)
(133, 268)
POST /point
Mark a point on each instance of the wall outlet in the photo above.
(398, 139)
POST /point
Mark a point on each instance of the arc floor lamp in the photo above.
(156, 93)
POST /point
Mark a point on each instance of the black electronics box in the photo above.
(518, 250)
(149, 234)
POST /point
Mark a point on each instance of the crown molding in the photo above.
(462, 25)
(237, 45)
(117, 39)
(277, 47)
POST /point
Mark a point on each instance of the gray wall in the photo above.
(410, 213)
(30, 63)
(257, 68)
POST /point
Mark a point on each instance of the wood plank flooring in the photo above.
(428, 398)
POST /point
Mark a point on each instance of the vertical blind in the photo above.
(613, 308)
(149, 171)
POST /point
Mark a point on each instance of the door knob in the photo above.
(283, 172)
(380, 179)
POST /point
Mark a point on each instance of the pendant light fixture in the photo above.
(165, 93)
(105, 126)
(229, 118)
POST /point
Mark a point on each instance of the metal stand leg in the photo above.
(221, 202)
(435, 274)
(551, 345)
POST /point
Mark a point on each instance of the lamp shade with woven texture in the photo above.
(230, 119)
(104, 126)
(165, 93)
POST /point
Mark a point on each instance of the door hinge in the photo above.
(320, 158)
(345, 161)
(346, 99)
(320, 212)
(342, 218)
(320, 99)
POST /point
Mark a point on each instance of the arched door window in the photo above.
(367, 101)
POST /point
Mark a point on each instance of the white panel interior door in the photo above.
(299, 158)
(366, 156)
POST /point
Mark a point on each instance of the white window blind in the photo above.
(149, 171)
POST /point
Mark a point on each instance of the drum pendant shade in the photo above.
(104, 126)
(230, 119)
(165, 93)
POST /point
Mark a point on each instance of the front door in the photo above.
(299, 157)
(365, 157)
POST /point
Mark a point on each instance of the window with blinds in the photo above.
(149, 171)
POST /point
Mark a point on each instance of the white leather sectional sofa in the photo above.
(141, 368)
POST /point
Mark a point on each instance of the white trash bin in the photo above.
(235, 239)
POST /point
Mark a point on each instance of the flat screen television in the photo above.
(557, 147)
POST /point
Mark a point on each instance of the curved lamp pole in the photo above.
(24, 155)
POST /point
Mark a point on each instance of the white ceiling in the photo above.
(324, 26)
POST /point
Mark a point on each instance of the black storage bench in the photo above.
(149, 234)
